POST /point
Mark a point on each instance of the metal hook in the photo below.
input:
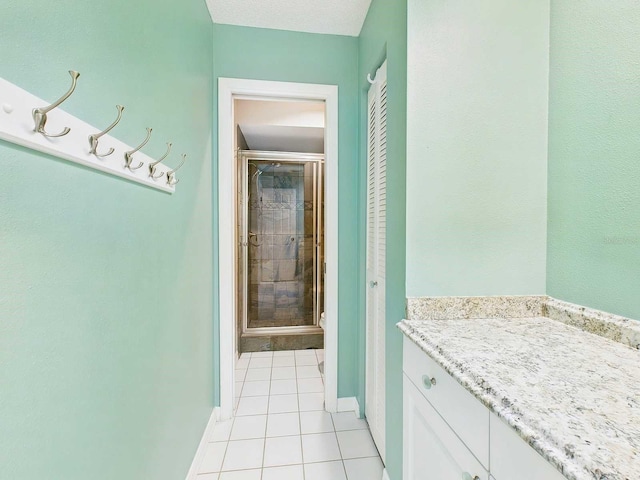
(128, 156)
(370, 80)
(93, 139)
(154, 165)
(40, 114)
(171, 174)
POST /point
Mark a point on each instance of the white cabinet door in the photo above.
(432, 451)
(376, 258)
(512, 457)
(461, 410)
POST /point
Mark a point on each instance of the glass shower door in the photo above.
(283, 227)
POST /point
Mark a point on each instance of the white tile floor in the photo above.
(281, 431)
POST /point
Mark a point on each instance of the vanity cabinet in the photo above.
(432, 450)
(448, 434)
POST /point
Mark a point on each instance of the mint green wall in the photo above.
(477, 147)
(384, 35)
(105, 285)
(254, 53)
(594, 164)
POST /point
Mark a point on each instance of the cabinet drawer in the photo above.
(460, 409)
(512, 457)
(431, 450)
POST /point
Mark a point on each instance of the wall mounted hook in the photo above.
(93, 139)
(370, 80)
(171, 174)
(154, 165)
(128, 156)
(40, 114)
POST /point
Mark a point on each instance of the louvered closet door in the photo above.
(376, 245)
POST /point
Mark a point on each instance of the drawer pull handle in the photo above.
(466, 476)
(428, 383)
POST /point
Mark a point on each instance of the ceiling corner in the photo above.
(330, 17)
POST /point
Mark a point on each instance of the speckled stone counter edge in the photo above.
(502, 407)
(433, 308)
(614, 327)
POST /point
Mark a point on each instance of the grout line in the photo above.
(301, 449)
(335, 432)
(266, 427)
(295, 371)
(226, 447)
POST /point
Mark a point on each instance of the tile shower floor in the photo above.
(281, 431)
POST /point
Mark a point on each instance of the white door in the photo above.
(376, 245)
(431, 450)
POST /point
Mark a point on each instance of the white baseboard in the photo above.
(385, 475)
(208, 431)
(349, 404)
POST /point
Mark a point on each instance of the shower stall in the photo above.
(280, 254)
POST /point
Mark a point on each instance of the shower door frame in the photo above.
(246, 156)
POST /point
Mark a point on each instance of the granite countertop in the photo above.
(572, 395)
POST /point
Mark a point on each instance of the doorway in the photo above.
(230, 251)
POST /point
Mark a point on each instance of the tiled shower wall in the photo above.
(281, 264)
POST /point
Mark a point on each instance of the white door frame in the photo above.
(228, 88)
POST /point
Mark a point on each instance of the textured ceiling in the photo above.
(276, 138)
(338, 17)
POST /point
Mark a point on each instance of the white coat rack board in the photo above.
(21, 116)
